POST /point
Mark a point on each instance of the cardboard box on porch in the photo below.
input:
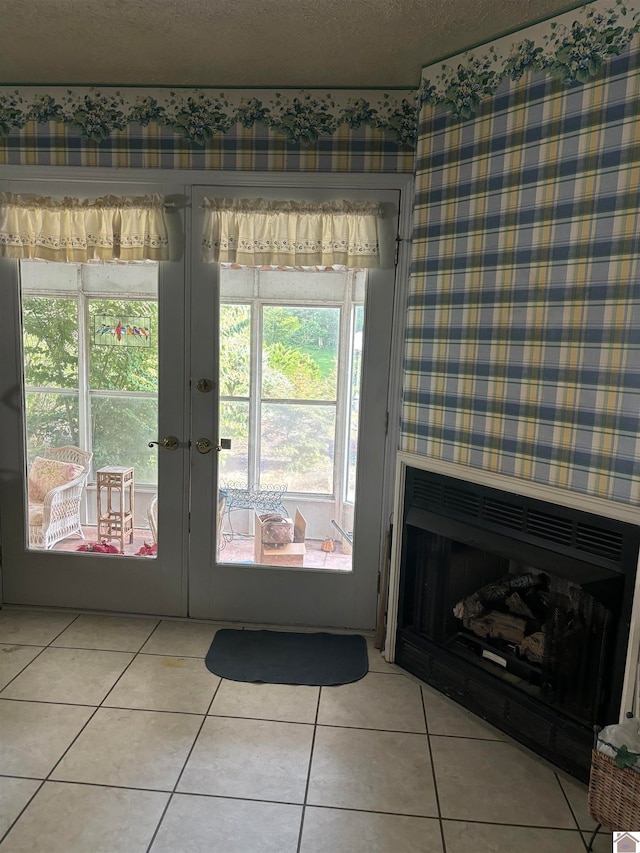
(291, 554)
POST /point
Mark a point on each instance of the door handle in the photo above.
(169, 443)
(203, 445)
(204, 385)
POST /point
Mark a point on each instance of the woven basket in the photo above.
(276, 530)
(614, 794)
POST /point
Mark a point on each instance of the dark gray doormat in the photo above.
(280, 657)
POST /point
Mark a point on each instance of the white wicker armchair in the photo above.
(56, 514)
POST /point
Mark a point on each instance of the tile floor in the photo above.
(116, 738)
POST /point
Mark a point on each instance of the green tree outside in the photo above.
(120, 426)
(299, 362)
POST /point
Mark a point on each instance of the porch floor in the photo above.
(237, 550)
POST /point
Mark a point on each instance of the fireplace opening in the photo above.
(517, 609)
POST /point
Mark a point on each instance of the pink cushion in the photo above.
(36, 511)
(46, 474)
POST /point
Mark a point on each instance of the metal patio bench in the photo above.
(255, 497)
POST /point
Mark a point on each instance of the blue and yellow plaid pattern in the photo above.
(251, 149)
(523, 329)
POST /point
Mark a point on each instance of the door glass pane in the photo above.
(91, 406)
(289, 386)
(235, 353)
(234, 424)
(357, 326)
(50, 341)
(297, 447)
(120, 430)
(300, 353)
(50, 418)
(123, 343)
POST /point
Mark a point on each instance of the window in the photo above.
(91, 361)
(290, 346)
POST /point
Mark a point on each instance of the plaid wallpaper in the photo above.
(523, 330)
(257, 148)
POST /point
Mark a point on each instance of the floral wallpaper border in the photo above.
(572, 46)
(197, 114)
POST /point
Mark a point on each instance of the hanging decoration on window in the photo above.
(114, 331)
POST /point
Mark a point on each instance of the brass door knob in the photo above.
(203, 445)
(169, 443)
(204, 385)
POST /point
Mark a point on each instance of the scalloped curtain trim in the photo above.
(256, 233)
(80, 230)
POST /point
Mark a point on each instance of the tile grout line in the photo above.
(207, 714)
(186, 761)
(471, 737)
(23, 809)
(306, 789)
(573, 815)
(42, 782)
(291, 803)
(89, 784)
(96, 708)
(50, 645)
(42, 645)
(11, 680)
(83, 705)
(433, 771)
(153, 630)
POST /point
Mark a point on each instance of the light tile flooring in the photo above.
(116, 738)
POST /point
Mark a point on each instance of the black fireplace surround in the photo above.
(518, 609)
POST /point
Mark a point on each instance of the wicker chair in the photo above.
(152, 516)
(56, 514)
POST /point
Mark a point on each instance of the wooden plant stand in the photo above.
(116, 522)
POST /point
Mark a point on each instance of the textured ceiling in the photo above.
(247, 43)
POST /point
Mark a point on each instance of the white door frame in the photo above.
(186, 178)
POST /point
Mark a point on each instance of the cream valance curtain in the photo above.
(78, 230)
(255, 232)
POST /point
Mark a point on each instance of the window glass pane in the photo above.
(235, 350)
(300, 353)
(297, 447)
(50, 342)
(51, 421)
(354, 400)
(234, 424)
(123, 342)
(121, 429)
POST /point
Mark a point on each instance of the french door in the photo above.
(203, 561)
(92, 370)
(292, 430)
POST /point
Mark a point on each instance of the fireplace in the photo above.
(518, 609)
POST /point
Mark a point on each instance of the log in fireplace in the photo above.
(518, 609)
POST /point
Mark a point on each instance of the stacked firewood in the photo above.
(512, 609)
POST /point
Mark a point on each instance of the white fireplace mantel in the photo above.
(631, 514)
